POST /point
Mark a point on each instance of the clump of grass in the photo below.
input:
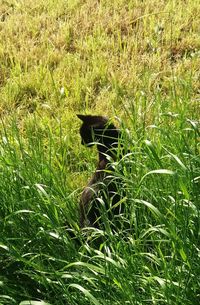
(159, 229)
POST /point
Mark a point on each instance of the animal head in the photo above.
(98, 129)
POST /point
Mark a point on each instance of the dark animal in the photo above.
(100, 131)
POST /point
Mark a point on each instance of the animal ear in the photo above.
(82, 117)
(92, 120)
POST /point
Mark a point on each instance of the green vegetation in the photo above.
(134, 60)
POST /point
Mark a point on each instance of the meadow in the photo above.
(136, 62)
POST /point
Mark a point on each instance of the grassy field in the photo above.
(136, 62)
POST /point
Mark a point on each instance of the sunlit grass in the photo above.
(158, 232)
(138, 63)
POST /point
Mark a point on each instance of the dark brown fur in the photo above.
(100, 131)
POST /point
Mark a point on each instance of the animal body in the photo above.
(98, 130)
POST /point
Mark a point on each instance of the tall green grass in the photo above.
(138, 63)
(152, 258)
